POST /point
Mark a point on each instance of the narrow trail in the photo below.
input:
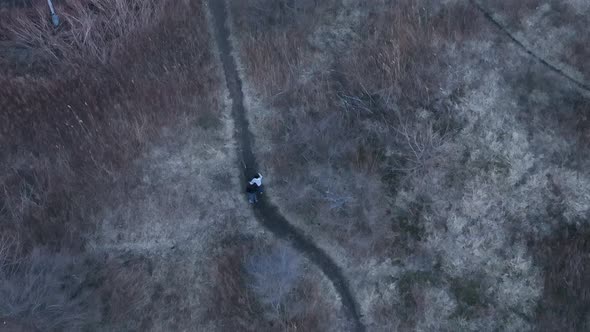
(490, 17)
(266, 213)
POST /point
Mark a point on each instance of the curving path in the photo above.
(488, 15)
(267, 213)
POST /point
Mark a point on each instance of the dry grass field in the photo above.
(441, 165)
(80, 106)
(118, 205)
(444, 167)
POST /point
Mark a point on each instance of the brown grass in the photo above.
(404, 48)
(89, 98)
(90, 30)
(273, 57)
(39, 290)
(231, 304)
(124, 289)
(75, 128)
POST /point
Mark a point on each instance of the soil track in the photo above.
(266, 213)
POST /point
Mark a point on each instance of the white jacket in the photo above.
(257, 181)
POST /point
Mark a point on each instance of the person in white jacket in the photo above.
(257, 180)
(254, 187)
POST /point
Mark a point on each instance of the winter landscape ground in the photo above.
(426, 165)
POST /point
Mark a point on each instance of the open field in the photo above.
(428, 160)
(431, 155)
(118, 183)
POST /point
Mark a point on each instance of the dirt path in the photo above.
(488, 15)
(266, 213)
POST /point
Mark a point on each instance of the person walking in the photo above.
(257, 180)
(254, 187)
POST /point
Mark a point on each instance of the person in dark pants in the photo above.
(252, 191)
(254, 188)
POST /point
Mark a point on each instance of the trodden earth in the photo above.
(265, 211)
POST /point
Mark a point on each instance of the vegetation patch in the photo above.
(470, 295)
(89, 98)
(410, 286)
(565, 258)
(265, 286)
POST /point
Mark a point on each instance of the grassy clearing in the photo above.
(411, 140)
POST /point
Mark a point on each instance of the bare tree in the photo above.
(274, 274)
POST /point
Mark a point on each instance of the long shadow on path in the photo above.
(266, 213)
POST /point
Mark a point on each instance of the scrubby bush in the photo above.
(266, 287)
(273, 275)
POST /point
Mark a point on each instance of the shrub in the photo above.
(274, 274)
(266, 287)
(289, 296)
